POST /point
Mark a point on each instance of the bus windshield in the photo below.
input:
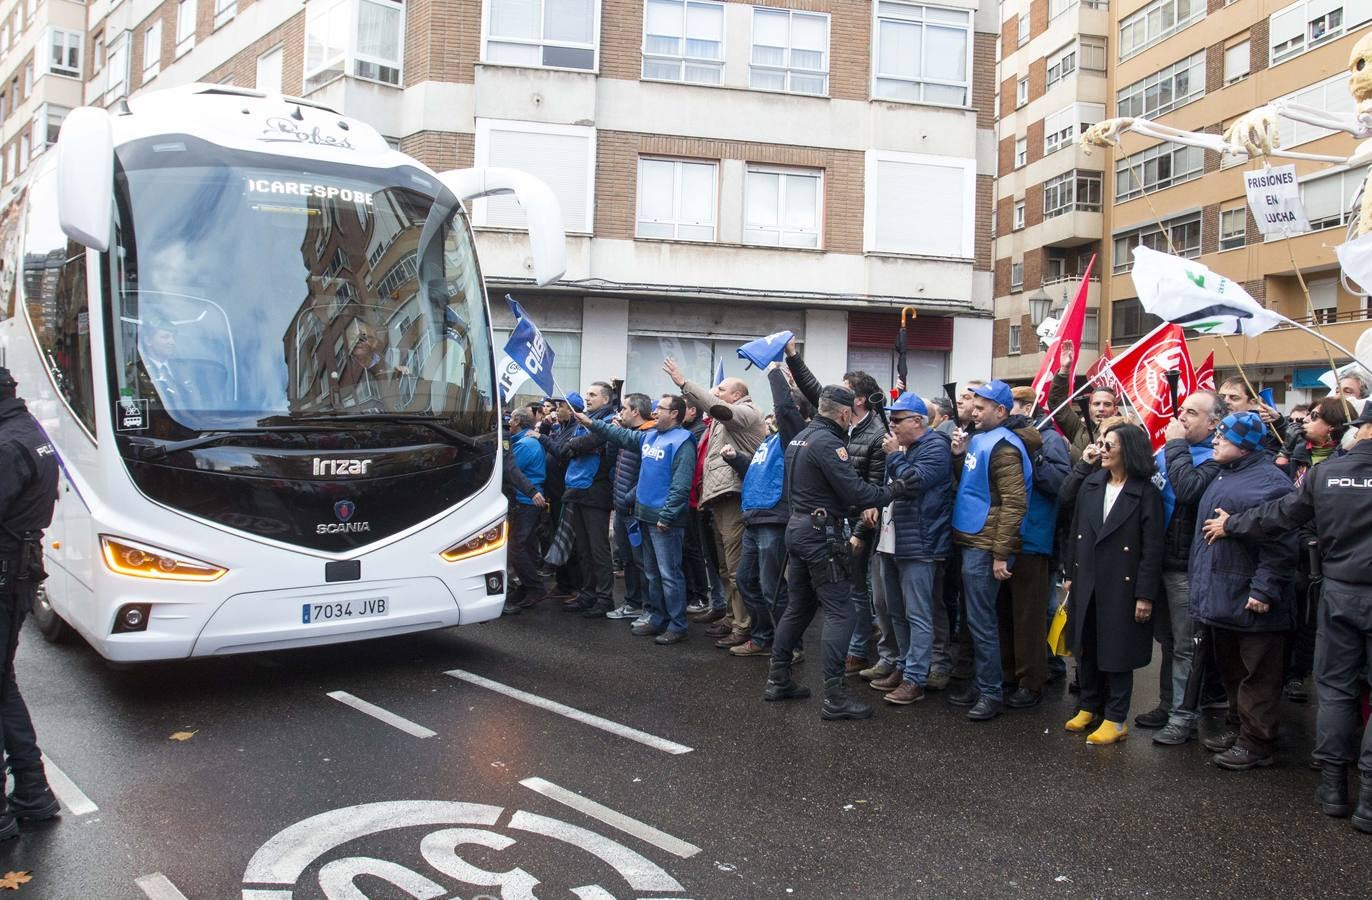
(250, 288)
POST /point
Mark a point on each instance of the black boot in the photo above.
(1332, 794)
(838, 704)
(32, 798)
(1362, 816)
(780, 686)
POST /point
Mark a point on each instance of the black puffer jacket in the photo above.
(1189, 483)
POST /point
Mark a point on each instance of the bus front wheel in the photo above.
(49, 623)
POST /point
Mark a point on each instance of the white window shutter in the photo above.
(1286, 24)
(562, 161)
(1355, 12)
(905, 188)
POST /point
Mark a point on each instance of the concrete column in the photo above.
(605, 339)
(826, 343)
(971, 356)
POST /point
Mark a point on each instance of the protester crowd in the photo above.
(965, 524)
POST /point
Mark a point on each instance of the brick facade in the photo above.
(986, 187)
(1214, 68)
(290, 36)
(1038, 17)
(1038, 78)
(1210, 228)
(1005, 156)
(983, 79)
(1000, 339)
(441, 150)
(1033, 206)
(1007, 96)
(1001, 278)
(1257, 47)
(1034, 134)
(1033, 269)
(443, 39)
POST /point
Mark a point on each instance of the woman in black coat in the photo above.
(1114, 555)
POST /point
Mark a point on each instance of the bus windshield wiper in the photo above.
(146, 448)
(434, 423)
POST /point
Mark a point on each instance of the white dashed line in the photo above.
(71, 796)
(641, 830)
(576, 715)
(157, 887)
(382, 715)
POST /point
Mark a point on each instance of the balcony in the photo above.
(1069, 229)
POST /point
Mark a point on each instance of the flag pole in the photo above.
(1109, 366)
(1252, 391)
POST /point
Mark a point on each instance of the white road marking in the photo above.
(577, 715)
(644, 832)
(71, 796)
(641, 873)
(383, 715)
(157, 887)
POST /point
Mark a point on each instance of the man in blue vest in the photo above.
(524, 513)
(765, 513)
(994, 476)
(1187, 465)
(823, 490)
(664, 484)
(589, 496)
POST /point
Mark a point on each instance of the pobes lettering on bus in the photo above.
(306, 189)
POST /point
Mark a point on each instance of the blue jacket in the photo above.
(673, 511)
(528, 456)
(924, 519)
(1228, 572)
(1052, 464)
(584, 453)
(789, 424)
(625, 479)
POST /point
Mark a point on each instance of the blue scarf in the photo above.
(1200, 453)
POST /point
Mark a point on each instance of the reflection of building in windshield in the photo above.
(361, 339)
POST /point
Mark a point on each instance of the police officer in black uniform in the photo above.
(1337, 497)
(823, 490)
(28, 490)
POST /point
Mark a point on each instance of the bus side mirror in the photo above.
(547, 238)
(85, 177)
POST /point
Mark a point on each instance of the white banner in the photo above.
(1275, 198)
(1187, 293)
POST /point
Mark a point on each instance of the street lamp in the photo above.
(1039, 305)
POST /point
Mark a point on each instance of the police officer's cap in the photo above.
(838, 394)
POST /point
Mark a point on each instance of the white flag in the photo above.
(1356, 258)
(1187, 293)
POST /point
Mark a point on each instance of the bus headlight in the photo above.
(144, 561)
(492, 538)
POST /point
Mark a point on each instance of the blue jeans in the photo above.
(633, 562)
(979, 591)
(760, 581)
(914, 626)
(861, 599)
(662, 552)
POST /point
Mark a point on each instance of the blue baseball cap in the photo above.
(575, 402)
(910, 403)
(997, 392)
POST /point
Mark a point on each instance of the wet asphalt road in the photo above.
(768, 802)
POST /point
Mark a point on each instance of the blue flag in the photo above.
(527, 348)
(719, 372)
(765, 351)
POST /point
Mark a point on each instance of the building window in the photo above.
(1328, 199)
(676, 199)
(1014, 338)
(557, 34)
(1019, 215)
(358, 37)
(117, 69)
(1156, 168)
(64, 53)
(1062, 63)
(1233, 228)
(1185, 232)
(1021, 151)
(923, 54)
(28, 80)
(152, 51)
(1236, 60)
(1072, 192)
(1092, 52)
(1062, 127)
(783, 207)
(1016, 275)
(98, 51)
(1090, 329)
(25, 151)
(901, 182)
(1164, 90)
(185, 27)
(1331, 95)
(1021, 92)
(224, 10)
(1022, 37)
(1308, 23)
(683, 40)
(269, 71)
(1157, 20)
(790, 51)
(563, 156)
(1324, 297)
(1129, 322)
(5, 38)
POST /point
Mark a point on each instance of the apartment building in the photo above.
(725, 169)
(41, 78)
(1049, 192)
(1198, 67)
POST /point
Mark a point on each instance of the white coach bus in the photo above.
(258, 337)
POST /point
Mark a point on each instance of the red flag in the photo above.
(1069, 331)
(1142, 373)
(1205, 375)
(1098, 373)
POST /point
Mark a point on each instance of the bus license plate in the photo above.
(343, 609)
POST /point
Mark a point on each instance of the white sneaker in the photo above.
(643, 619)
(693, 608)
(624, 612)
